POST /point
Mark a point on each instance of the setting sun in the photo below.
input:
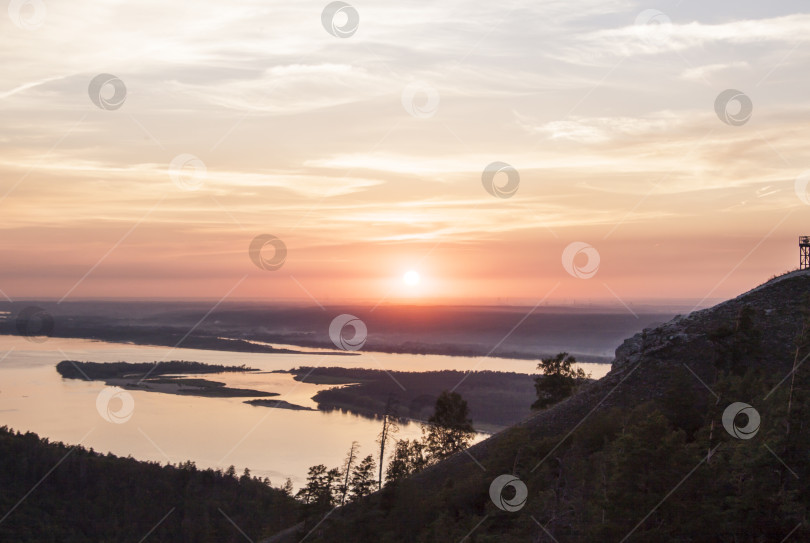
(411, 278)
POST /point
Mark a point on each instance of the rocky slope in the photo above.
(776, 307)
(681, 358)
(648, 364)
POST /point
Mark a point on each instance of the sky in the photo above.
(526, 152)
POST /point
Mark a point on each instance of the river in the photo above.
(212, 432)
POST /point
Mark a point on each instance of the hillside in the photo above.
(55, 492)
(627, 458)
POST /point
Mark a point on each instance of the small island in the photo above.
(164, 377)
(279, 404)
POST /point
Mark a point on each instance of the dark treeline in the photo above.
(448, 431)
(89, 497)
(108, 370)
(496, 399)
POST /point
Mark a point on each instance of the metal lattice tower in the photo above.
(804, 252)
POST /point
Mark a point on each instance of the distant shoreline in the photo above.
(590, 334)
(204, 343)
(224, 344)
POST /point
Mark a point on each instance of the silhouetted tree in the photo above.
(288, 487)
(362, 481)
(558, 381)
(389, 427)
(409, 457)
(350, 460)
(449, 429)
(320, 488)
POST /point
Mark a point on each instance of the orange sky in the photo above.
(365, 154)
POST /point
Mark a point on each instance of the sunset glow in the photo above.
(360, 154)
(404, 271)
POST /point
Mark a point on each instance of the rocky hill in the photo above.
(648, 364)
(687, 369)
(775, 309)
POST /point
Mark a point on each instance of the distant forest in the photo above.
(590, 333)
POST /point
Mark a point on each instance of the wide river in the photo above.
(213, 432)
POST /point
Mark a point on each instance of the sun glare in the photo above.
(411, 278)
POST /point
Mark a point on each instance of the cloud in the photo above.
(637, 39)
(701, 72)
(604, 129)
(305, 133)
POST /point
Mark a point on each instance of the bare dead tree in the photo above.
(389, 427)
(349, 461)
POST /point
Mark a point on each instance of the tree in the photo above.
(389, 428)
(558, 381)
(409, 457)
(449, 429)
(320, 488)
(333, 486)
(350, 459)
(362, 481)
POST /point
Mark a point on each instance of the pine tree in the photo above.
(318, 490)
(449, 429)
(362, 481)
(408, 458)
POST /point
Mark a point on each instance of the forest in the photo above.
(52, 492)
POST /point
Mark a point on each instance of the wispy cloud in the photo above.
(305, 135)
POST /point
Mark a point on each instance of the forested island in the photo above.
(496, 399)
(166, 377)
(279, 404)
(73, 369)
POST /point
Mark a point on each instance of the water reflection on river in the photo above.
(213, 432)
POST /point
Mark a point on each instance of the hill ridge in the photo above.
(682, 360)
